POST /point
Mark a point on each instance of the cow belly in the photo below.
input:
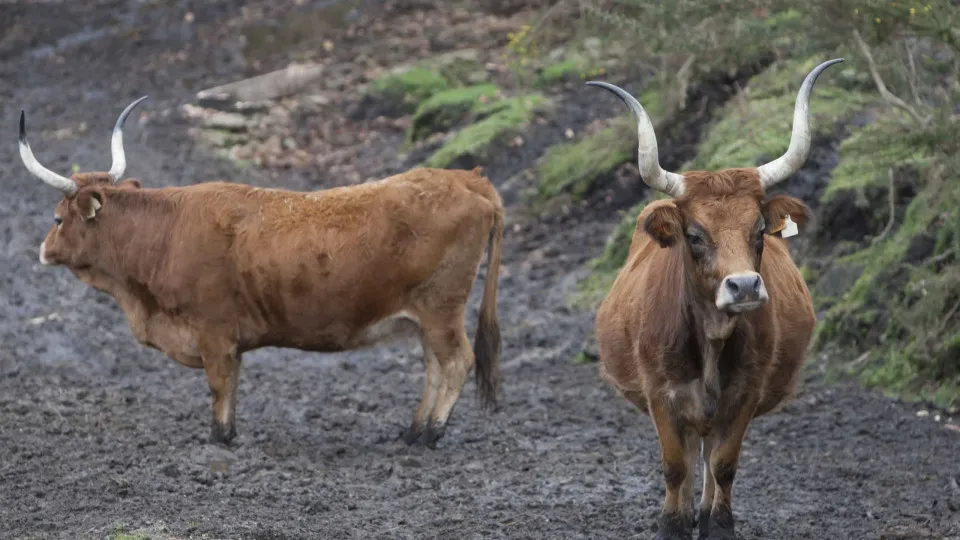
(338, 337)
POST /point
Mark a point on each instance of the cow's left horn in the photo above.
(116, 143)
(648, 159)
(67, 186)
(796, 155)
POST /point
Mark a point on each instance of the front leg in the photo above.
(678, 447)
(222, 364)
(724, 460)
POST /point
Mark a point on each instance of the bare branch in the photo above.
(888, 96)
(910, 46)
(893, 210)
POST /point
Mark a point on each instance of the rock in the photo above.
(226, 120)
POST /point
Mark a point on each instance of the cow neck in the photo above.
(713, 329)
(133, 235)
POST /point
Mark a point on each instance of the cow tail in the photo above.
(486, 347)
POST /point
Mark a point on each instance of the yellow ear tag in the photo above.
(789, 228)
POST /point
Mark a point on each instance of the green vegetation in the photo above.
(868, 154)
(496, 120)
(758, 126)
(900, 317)
(409, 86)
(446, 109)
(573, 167)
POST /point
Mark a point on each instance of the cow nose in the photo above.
(743, 291)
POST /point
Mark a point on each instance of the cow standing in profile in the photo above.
(708, 322)
(209, 271)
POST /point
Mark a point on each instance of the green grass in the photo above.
(498, 119)
(573, 167)
(447, 108)
(409, 86)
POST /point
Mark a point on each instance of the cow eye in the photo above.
(58, 220)
(696, 240)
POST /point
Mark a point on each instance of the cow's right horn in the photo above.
(796, 155)
(116, 143)
(648, 159)
(67, 186)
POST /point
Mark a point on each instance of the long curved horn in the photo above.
(116, 143)
(796, 155)
(647, 157)
(67, 186)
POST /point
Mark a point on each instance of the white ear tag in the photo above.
(789, 228)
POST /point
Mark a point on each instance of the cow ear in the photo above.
(89, 203)
(776, 210)
(663, 222)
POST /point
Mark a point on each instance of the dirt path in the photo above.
(99, 434)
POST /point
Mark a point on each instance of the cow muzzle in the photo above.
(741, 292)
(43, 259)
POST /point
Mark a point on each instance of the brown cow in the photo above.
(708, 321)
(206, 272)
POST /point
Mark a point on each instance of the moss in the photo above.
(447, 108)
(574, 167)
(574, 66)
(498, 119)
(758, 127)
(867, 155)
(410, 86)
(904, 314)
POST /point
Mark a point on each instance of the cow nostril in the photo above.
(732, 286)
(756, 284)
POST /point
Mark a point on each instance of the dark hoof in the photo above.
(721, 525)
(674, 527)
(703, 523)
(222, 433)
(411, 434)
(431, 435)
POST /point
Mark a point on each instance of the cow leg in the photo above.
(724, 460)
(223, 375)
(430, 390)
(454, 359)
(709, 487)
(677, 445)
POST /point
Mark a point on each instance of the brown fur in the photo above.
(209, 271)
(703, 374)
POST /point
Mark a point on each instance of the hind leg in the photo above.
(454, 360)
(431, 388)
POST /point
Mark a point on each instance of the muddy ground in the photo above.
(99, 435)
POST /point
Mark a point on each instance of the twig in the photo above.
(893, 210)
(942, 257)
(683, 80)
(908, 45)
(546, 16)
(948, 316)
(888, 96)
